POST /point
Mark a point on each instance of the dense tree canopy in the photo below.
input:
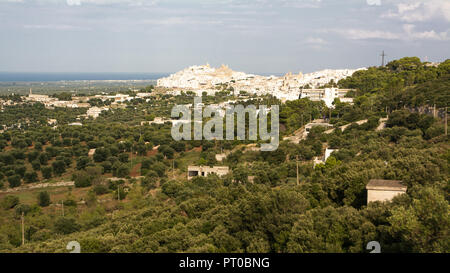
(132, 193)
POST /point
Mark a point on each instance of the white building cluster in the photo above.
(95, 111)
(199, 79)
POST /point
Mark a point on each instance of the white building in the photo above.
(95, 111)
(143, 95)
(384, 190)
(157, 120)
(51, 121)
(75, 124)
(322, 160)
(38, 98)
(199, 79)
(328, 95)
(194, 171)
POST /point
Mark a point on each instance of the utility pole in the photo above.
(132, 143)
(131, 157)
(62, 205)
(446, 121)
(297, 170)
(23, 227)
(173, 168)
(382, 58)
(434, 110)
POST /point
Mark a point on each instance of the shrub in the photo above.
(70, 203)
(30, 177)
(100, 189)
(107, 166)
(82, 179)
(123, 171)
(82, 162)
(22, 208)
(20, 170)
(149, 183)
(47, 172)
(123, 157)
(59, 167)
(44, 199)
(36, 165)
(41, 235)
(66, 225)
(14, 181)
(9, 202)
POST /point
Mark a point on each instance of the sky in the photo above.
(254, 36)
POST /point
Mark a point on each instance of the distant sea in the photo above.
(50, 77)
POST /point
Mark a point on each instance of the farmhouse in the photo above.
(384, 190)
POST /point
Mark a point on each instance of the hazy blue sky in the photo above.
(260, 36)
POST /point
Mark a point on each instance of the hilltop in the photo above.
(205, 78)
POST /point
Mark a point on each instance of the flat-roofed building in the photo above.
(95, 111)
(328, 95)
(157, 120)
(221, 157)
(76, 124)
(194, 171)
(384, 190)
(91, 152)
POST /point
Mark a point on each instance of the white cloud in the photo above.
(173, 21)
(315, 41)
(111, 2)
(409, 33)
(55, 27)
(270, 3)
(424, 35)
(362, 34)
(91, 2)
(73, 2)
(420, 10)
(301, 3)
(373, 2)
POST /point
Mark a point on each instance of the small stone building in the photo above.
(205, 170)
(91, 152)
(384, 190)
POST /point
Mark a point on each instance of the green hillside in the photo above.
(132, 194)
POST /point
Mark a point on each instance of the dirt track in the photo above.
(39, 186)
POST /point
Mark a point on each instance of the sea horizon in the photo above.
(91, 76)
(78, 76)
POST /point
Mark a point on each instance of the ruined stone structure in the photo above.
(194, 171)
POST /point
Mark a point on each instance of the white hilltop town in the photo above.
(204, 78)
